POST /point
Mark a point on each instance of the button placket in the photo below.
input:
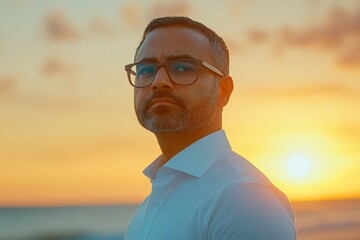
(153, 207)
(161, 188)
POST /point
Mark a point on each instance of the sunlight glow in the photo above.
(298, 165)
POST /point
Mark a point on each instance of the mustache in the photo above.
(162, 94)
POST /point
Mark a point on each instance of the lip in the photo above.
(163, 101)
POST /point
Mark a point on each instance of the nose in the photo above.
(162, 80)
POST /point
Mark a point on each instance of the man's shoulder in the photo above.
(234, 175)
(231, 167)
(246, 196)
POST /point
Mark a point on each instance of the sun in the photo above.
(298, 166)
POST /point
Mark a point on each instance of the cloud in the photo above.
(12, 94)
(319, 90)
(131, 14)
(348, 130)
(236, 7)
(339, 33)
(100, 27)
(258, 36)
(350, 56)
(135, 14)
(54, 102)
(340, 25)
(178, 8)
(58, 27)
(7, 85)
(233, 45)
(55, 66)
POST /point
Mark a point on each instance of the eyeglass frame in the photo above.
(165, 64)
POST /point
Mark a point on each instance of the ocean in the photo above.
(317, 220)
(65, 223)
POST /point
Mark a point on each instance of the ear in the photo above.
(226, 87)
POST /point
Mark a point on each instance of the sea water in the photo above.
(70, 223)
(319, 220)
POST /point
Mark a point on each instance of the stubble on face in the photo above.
(180, 118)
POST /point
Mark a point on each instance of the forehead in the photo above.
(173, 41)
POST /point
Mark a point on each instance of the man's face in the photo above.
(165, 107)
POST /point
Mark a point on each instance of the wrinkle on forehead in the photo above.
(173, 41)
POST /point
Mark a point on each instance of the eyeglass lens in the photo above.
(182, 72)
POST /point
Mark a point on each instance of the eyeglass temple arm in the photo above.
(212, 68)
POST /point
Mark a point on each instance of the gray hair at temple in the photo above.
(219, 51)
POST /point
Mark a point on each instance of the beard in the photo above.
(182, 118)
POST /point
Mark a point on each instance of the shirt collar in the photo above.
(195, 159)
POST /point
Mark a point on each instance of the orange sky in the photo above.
(68, 131)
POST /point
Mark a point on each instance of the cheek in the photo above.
(138, 98)
(199, 94)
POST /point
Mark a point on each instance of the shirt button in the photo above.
(156, 203)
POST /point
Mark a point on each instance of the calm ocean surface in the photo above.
(70, 223)
(328, 220)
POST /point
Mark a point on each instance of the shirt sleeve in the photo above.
(250, 211)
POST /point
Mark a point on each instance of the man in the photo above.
(200, 188)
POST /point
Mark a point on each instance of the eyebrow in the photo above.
(171, 57)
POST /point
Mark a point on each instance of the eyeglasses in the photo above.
(180, 71)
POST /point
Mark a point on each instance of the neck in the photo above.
(173, 143)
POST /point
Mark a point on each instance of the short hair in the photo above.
(219, 50)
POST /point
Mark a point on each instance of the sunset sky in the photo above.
(68, 132)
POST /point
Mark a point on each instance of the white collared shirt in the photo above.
(209, 192)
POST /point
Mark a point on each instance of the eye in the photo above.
(183, 67)
(145, 69)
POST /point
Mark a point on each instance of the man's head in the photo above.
(219, 51)
(181, 77)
